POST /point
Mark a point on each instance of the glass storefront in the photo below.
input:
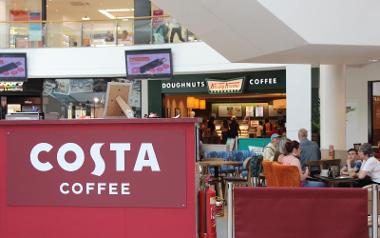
(83, 98)
(86, 24)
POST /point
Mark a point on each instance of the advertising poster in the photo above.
(12, 67)
(259, 111)
(229, 111)
(149, 64)
(249, 111)
(35, 30)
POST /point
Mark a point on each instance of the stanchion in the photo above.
(374, 210)
(230, 215)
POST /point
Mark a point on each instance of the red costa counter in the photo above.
(98, 178)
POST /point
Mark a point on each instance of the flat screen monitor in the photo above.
(13, 67)
(149, 64)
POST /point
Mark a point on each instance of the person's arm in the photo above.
(363, 172)
(303, 175)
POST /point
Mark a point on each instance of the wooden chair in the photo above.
(268, 173)
(286, 175)
(325, 164)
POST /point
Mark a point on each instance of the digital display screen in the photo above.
(13, 67)
(147, 64)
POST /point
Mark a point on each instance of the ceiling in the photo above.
(286, 31)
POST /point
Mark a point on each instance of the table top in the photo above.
(339, 178)
(218, 162)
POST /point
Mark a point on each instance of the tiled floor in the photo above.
(221, 225)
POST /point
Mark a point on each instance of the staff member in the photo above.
(370, 169)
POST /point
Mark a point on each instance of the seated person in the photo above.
(292, 158)
(353, 163)
(370, 170)
(271, 150)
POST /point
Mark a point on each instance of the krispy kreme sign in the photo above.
(216, 86)
(107, 168)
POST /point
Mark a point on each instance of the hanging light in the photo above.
(196, 103)
(202, 104)
(190, 102)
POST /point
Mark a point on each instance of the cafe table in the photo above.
(336, 181)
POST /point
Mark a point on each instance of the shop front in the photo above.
(250, 97)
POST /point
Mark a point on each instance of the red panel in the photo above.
(55, 221)
(300, 212)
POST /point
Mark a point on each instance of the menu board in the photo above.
(148, 64)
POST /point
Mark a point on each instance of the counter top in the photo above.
(98, 121)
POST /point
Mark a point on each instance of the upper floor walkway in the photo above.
(94, 33)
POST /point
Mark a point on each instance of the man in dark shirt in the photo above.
(309, 150)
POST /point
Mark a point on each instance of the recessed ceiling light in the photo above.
(373, 60)
(86, 18)
(107, 12)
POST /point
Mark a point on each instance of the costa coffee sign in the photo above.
(144, 168)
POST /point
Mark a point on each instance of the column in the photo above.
(144, 97)
(142, 28)
(333, 109)
(298, 100)
(4, 28)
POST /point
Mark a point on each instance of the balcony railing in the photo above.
(102, 33)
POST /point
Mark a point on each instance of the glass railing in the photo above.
(130, 31)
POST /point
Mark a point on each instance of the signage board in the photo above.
(13, 67)
(147, 64)
(102, 168)
(217, 86)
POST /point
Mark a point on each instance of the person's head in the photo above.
(302, 134)
(225, 123)
(293, 147)
(233, 118)
(365, 151)
(352, 154)
(260, 123)
(275, 138)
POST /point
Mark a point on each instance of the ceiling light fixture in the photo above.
(107, 12)
(373, 60)
(86, 18)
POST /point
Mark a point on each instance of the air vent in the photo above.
(79, 4)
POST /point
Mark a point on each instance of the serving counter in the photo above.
(98, 178)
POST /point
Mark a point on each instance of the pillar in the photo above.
(298, 100)
(142, 27)
(4, 27)
(333, 109)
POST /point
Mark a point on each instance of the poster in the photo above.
(249, 111)
(229, 111)
(259, 111)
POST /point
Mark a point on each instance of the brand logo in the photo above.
(145, 150)
(225, 86)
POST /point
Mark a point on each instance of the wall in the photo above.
(357, 99)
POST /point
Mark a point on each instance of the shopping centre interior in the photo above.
(267, 62)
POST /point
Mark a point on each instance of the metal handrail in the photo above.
(374, 210)
(84, 21)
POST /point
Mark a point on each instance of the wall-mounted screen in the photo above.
(149, 64)
(13, 67)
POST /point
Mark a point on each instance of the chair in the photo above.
(286, 175)
(268, 173)
(325, 164)
(238, 180)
